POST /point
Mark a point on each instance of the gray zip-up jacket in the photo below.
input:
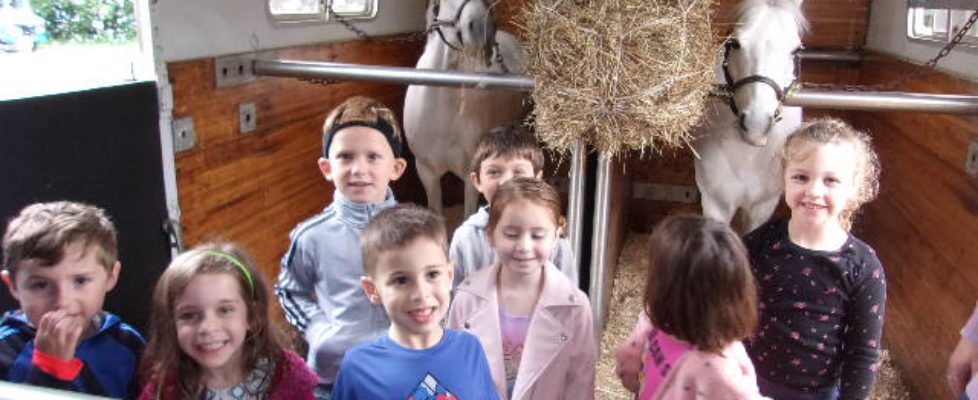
(470, 249)
(319, 284)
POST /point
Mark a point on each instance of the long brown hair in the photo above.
(163, 363)
(700, 288)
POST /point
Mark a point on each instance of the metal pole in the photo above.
(842, 100)
(401, 75)
(825, 55)
(599, 245)
(575, 200)
(884, 101)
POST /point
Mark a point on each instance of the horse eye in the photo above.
(735, 44)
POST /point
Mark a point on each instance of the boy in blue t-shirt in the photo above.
(406, 261)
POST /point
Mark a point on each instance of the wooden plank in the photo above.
(924, 223)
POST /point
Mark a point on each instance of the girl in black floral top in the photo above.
(822, 290)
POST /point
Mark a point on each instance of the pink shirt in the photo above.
(514, 336)
(661, 353)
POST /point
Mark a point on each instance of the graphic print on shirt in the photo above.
(514, 329)
(430, 389)
(661, 353)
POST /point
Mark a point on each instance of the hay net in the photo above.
(618, 74)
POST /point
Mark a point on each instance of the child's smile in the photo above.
(819, 186)
(361, 164)
(212, 323)
(525, 236)
(413, 283)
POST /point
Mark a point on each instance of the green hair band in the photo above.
(234, 260)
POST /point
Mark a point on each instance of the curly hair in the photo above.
(830, 130)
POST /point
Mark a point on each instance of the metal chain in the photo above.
(413, 37)
(918, 72)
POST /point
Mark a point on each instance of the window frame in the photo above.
(321, 15)
(942, 37)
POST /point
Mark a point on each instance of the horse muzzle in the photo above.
(755, 131)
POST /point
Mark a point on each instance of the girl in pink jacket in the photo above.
(534, 324)
(700, 302)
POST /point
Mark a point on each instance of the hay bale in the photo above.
(619, 74)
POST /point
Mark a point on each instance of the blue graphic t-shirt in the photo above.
(455, 368)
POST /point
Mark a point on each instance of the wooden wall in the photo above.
(254, 188)
(924, 224)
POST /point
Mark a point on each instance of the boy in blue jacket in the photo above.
(59, 261)
(319, 283)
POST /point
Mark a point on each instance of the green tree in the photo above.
(88, 20)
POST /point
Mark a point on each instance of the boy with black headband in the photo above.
(319, 284)
(59, 261)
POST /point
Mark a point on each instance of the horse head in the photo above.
(760, 63)
(465, 25)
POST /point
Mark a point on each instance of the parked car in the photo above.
(20, 28)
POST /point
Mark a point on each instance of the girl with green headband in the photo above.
(211, 336)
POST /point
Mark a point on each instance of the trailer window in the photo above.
(320, 10)
(939, 20)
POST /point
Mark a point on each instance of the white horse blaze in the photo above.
(442, 125)
(738, 169)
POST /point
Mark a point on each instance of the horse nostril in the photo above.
(743, 122)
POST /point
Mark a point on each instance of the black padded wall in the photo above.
(100, 147)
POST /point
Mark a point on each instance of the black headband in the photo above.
(380, 125)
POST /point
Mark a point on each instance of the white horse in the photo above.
(442, 124)
(740, 144)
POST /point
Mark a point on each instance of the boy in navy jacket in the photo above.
(59, 261)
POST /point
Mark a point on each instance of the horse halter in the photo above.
(732, 86)
(437, 24)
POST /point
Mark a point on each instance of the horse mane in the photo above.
(792, 7)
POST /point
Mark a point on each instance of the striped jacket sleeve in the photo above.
(296, 286)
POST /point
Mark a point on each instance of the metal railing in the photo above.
(846, 100)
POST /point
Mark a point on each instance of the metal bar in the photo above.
(841, 100)
(402, 75)
(884, 101)
(826, 55)
(575, 200)
(599, 245)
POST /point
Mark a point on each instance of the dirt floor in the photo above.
(624, 307)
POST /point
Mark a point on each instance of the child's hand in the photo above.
(58, 334)
(962, 364)
(628, 364)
